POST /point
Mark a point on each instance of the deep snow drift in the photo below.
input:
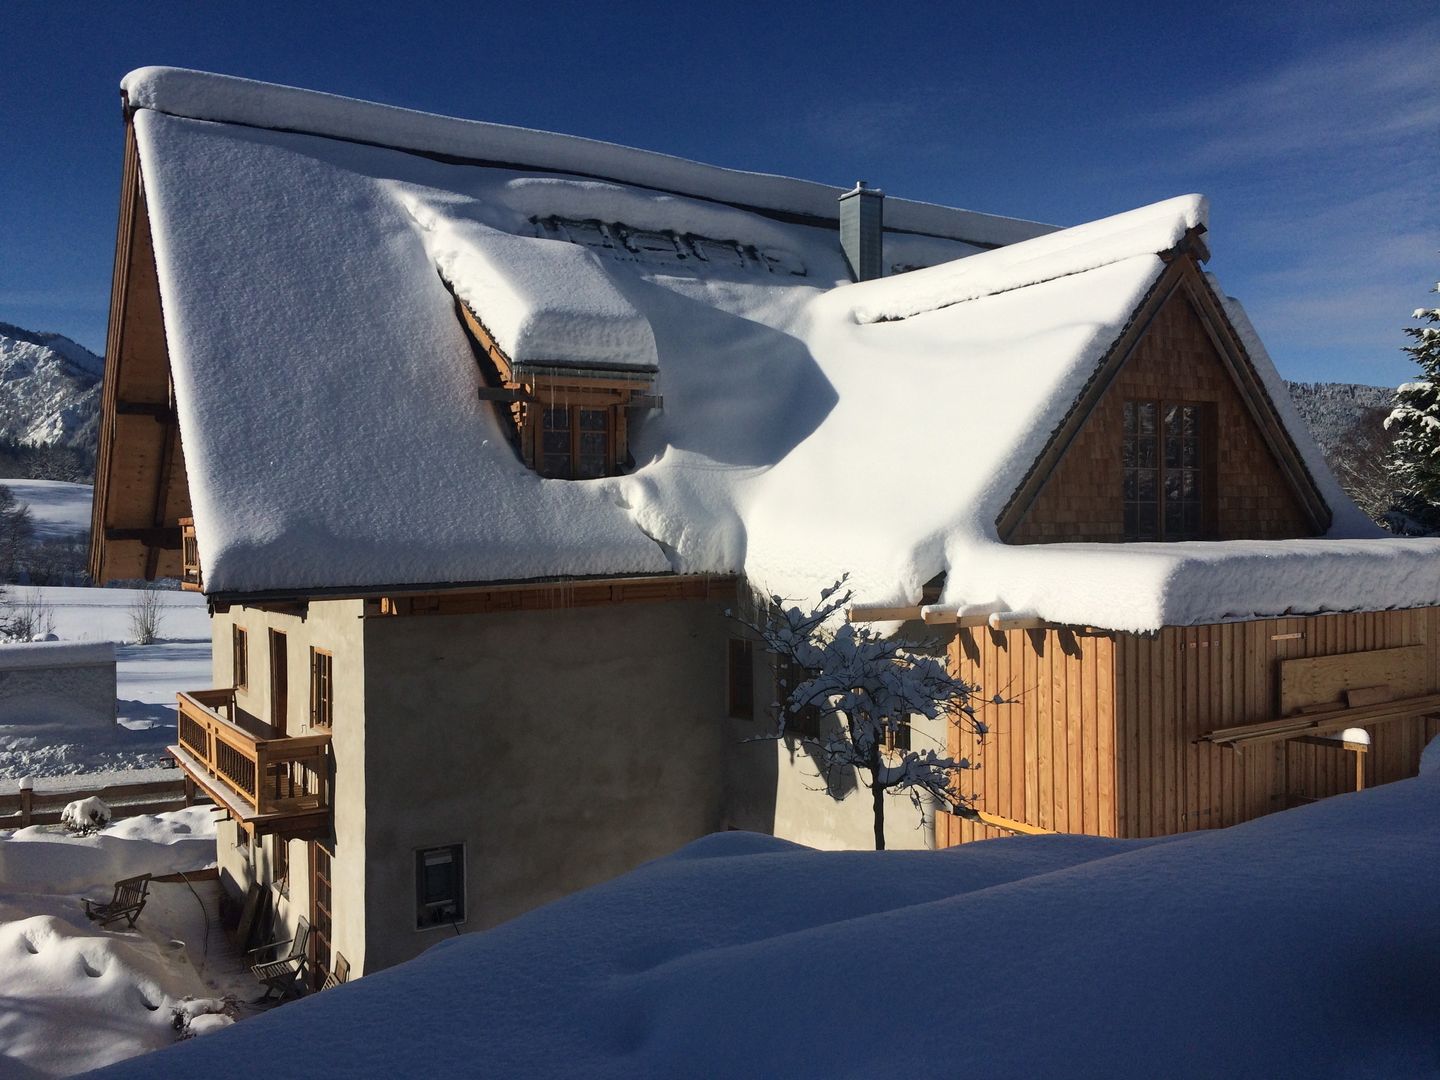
(1304, 944)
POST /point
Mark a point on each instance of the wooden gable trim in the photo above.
(554, 596)
(140, 483)
(1181, 275)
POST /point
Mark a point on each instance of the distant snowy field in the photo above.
(147, 678)
(1303, 944)
(58, 509)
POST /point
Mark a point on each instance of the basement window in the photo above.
(1168, 470)
(439, 886)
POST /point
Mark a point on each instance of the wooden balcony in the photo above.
(189, 558)
(270, 783)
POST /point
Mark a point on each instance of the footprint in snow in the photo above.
(91, 969)
(29, 943)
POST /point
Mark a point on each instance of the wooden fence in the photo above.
(24, 808)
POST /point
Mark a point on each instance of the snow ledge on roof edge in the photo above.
(199, 95)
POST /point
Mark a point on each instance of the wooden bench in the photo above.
(127, 902)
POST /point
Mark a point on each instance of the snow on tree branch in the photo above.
(871, 687)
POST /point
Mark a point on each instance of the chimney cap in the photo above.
(862, 188)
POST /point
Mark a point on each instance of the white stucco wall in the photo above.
(335, 626)
(560, 747)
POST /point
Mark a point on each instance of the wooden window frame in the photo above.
(573, 411)
(1205, 471)
(804, 723)
(239, 657)
(740, 679)
(322, 930)
(280, 864)
(278, 648)
(458, 859)
(322, 688)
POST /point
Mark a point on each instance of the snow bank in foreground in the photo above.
(1302, 944)
(74, 996)
(39, 859)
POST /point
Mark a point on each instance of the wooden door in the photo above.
(279, 682)
(320, 921)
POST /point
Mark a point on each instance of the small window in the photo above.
(805, 721)
(575, 442)
(898, 738)
(280, 865)
(322, 688)
(439, 886)
(240, 657)
(741, 694)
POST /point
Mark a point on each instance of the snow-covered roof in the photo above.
(327, 393)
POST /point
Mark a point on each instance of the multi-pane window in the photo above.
(439, 886)
(240, 657)
(1163, 464)
(322, 688)
(575, 442)
(804, 721)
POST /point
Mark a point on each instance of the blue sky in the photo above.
(1314, 129)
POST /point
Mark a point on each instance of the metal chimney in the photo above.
(862, 230)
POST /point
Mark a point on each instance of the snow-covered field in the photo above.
(147, 678)
(75, 997)
(59, 510)
(1303, 944)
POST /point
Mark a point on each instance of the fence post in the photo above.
(27, 800)
(189, 790)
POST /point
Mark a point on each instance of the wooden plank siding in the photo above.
(1037, 767)
(1100, 733)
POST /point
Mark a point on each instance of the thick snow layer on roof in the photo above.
(1301, 944)
(1145, 231)
(543, 300)
(796, 441)
(1141, 587)
(202, 96)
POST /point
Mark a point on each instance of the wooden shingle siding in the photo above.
(1174, 361)
(1099, 733)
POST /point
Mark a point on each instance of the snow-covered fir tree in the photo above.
(1415, 422)
(870, 687)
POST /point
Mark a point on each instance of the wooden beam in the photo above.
(546, 596)
(160, 410)
(871, 613)
(1290, 727)
(164, 538)
(1015, 620)
(1010, 825)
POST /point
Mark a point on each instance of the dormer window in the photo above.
(568, 421)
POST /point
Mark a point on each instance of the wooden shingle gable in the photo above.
(1181, 295)
(141, 491)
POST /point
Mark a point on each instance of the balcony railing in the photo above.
(263, 777)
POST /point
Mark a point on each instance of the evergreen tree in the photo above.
(1415, 423)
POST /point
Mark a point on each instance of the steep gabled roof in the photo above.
(327, 392)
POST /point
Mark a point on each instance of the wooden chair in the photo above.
(340, 973)
(127, 903)
(282, 976)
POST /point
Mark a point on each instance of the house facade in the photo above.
(474, 436)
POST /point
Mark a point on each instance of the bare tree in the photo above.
(29, 618)
(872, 686)
(146, 615)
